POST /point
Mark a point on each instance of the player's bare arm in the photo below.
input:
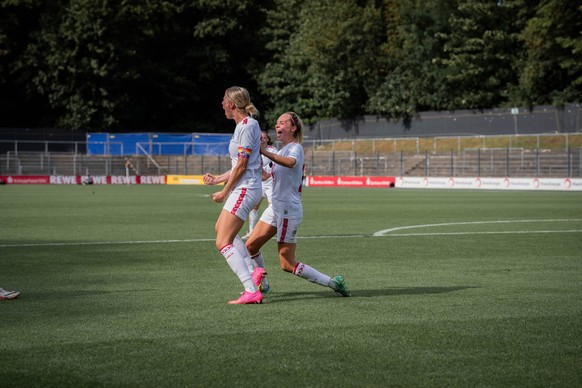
(211, 179)
(288, 162)
(234, 176)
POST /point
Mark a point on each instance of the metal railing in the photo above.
(341, 158)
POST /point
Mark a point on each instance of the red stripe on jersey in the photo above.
(284, 230)
(246, 120)
(241, 197)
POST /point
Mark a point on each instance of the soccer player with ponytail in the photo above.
(241, 192)
(285, 214)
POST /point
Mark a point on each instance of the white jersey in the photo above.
(268, 167)
(287, 182)
(246, 143)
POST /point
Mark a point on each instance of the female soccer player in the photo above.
(283, 217)
(241, 192)
(267, 182)
(267, 191)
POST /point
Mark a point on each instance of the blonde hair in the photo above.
(242, 100)
(298, 123)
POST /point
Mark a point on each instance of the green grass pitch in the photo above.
(122, 287)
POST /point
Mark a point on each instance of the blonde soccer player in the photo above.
(285, 214)
(241, 192)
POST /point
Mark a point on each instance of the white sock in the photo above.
(311, 274)
(259, 259)
(236, 262)
(242, 249)
(253, 219)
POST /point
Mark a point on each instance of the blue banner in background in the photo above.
(97, 144)
(165, 144)
(127, 144)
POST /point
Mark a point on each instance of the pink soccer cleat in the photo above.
(249, 298)
(258, 275)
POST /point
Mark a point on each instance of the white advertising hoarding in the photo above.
(480, 183)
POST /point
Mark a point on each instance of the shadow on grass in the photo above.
(393, 291)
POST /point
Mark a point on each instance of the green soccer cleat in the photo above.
(340, 286)
(265, 289)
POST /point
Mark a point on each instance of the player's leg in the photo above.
(253, 219)
(230, 222)
(263, 232)
(286, 244)
(227, 227)
(302, 270)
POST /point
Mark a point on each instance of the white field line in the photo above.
(388, 231)
(381, 233)
(469, 233)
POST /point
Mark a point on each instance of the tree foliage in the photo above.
(163, 65)
(410, 78)
(133, 65)
(552, 69)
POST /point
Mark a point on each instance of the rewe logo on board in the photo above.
(64, 180)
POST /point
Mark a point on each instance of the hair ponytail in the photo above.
(242, 100)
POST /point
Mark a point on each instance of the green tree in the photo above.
(551, 72)
(163, 65)
(20, 104)
(318, 58)
(479, 53)
(148, 65)
(408, 78)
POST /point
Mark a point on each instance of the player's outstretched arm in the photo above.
(285, 161)
(211, 179)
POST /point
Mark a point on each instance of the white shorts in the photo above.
(241, 201)
(287, 228)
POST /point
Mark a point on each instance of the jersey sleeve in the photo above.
(296, 152)
(245, 141)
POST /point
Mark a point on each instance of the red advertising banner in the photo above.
(124, 180)
(351, 181)
(85, 180)
(25, 180)
(65, 179)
